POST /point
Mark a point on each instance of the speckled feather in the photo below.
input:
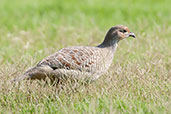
(77, 58)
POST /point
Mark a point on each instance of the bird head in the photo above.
(115, 34)
(123, 32)
(119, 32)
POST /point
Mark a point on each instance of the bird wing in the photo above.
(77, 58)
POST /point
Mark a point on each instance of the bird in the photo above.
(79, 62)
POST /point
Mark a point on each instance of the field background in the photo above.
(139, 80)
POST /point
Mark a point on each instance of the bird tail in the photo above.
(21, 77)
(28, 74)
(38, 72)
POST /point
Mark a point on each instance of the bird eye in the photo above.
(123, 31)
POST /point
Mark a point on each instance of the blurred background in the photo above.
(31, 14)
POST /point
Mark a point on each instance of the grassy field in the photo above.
(139, 80)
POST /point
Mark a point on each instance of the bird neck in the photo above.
(111, 44)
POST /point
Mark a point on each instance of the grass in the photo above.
(138, 80)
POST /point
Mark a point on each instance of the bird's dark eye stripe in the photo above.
(123, 31)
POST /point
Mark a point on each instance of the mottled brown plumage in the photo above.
(80, 62)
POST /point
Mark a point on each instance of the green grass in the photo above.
(139, 80)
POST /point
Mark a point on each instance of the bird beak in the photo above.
(131, 34)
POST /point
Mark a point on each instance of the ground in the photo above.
(139, 80)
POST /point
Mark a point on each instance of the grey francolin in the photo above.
(80, 62)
